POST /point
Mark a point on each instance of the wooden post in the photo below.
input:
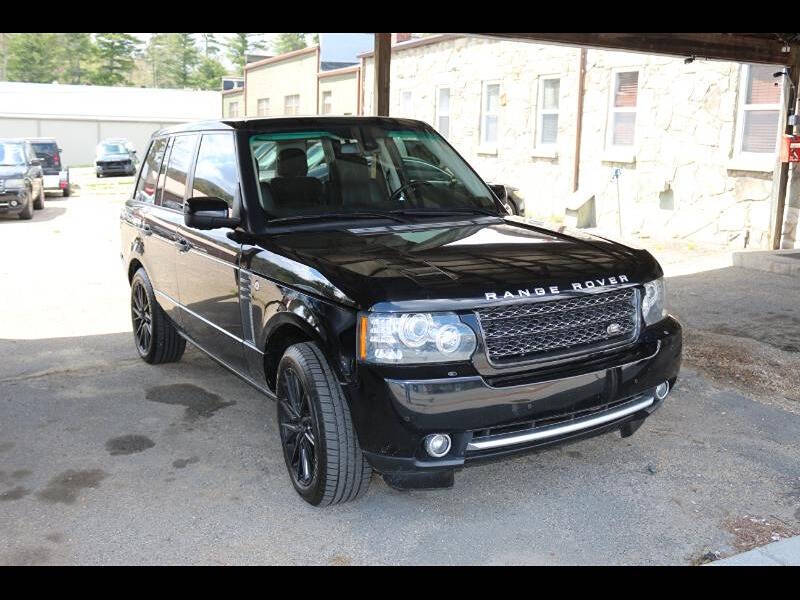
(783, 173)
(579, 120)
(383, 59)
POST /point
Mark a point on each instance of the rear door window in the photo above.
(180, 159)
(146, 189)
(215, 173)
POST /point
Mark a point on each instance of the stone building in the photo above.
(676, 149)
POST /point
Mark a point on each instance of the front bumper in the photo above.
(5, 202)
(116, 169)
(488, 418)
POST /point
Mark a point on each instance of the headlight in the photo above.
(13, 184)
(653, 301)
(407, 338)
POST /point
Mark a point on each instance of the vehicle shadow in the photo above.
(48, 213)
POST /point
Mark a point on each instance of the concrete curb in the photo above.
(782, 262)
(783, 553)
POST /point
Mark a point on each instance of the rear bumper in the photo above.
(487, 421)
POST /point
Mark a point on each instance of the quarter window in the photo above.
(443, 111)
(291, 104)
(547, 106)
(146, 188)
(179, 160)
(215, 174)
(623, 108)
(262, 107)
(759, 110)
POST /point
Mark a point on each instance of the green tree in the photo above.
(156, 57)
(32, 57)
(182, 58)
(76, 54)
(210, 44)
(115, 54)
(208, 74)
(239, 46)
(286, 42)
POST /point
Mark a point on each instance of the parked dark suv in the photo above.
(56, 175)
(21, 179)
(404, 324)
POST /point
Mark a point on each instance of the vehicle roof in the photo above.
(15, 140)
(41, 139)
(274, 123)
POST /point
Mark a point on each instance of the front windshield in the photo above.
(11, 155)
(111, 148)
(355, 168)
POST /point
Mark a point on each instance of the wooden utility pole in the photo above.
(777, 217)
(383, 59)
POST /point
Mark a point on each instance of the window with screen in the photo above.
(547, 106)
(490, 104)
(291, 104)
(443, 111)
(262, 107)
(146, 188)
(624, 97)
(233, 109)
(178, 167)
(215, 173)
(327, 103)
(759, 110)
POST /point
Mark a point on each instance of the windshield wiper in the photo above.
(444, 211)
(347, 215)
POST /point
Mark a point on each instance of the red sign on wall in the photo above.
(790, 148)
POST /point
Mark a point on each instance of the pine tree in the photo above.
(210, 44)
(182, 58)
(156, 58)
(32, 57)
(239, 46)
(286, 42)
(77, 51)
(115, 53)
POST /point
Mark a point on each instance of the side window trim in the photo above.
(189, 169)
(162, 172)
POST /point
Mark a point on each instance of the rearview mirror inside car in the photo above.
(208, 212)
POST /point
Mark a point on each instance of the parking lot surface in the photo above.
(107, 460)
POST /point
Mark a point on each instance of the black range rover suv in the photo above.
(402, 324)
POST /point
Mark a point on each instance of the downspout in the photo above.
(579, 121)
(788, 205)
(319, 65)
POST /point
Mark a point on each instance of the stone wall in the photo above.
(682, 178)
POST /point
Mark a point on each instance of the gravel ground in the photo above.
(106, 460)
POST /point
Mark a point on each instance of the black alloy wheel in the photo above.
(297, 429)
(142, 317)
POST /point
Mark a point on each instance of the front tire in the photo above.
(155, 336)
(27, 212)
(320, 447)
(39, 204)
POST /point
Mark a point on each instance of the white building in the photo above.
(79, 116)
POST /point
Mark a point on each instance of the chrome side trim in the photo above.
(217, 327)
(232, 265)
(550, 431)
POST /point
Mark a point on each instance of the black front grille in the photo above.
(532, 330)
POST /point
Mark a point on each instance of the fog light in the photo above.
(662, 389)
(13, 203)
(437, 444)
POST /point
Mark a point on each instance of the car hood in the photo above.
(7, 172)
(460, 263)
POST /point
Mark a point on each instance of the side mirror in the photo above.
(208, 213)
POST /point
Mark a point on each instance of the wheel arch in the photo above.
(134, 266)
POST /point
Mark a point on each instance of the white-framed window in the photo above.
(758, 111)
(233, 109)
(490, 110)
(406, 104)
(443, 111)
(622, 109)
(327, 102)
(547, 111)
(291, 104)
(262, 107)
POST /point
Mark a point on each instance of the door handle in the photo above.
(183, 245)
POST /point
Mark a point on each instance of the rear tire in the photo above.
(65, 192)
(27, 212)
(155, 336)
(39, 204)
(320, 447)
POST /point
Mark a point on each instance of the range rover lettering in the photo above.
(402, 321)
